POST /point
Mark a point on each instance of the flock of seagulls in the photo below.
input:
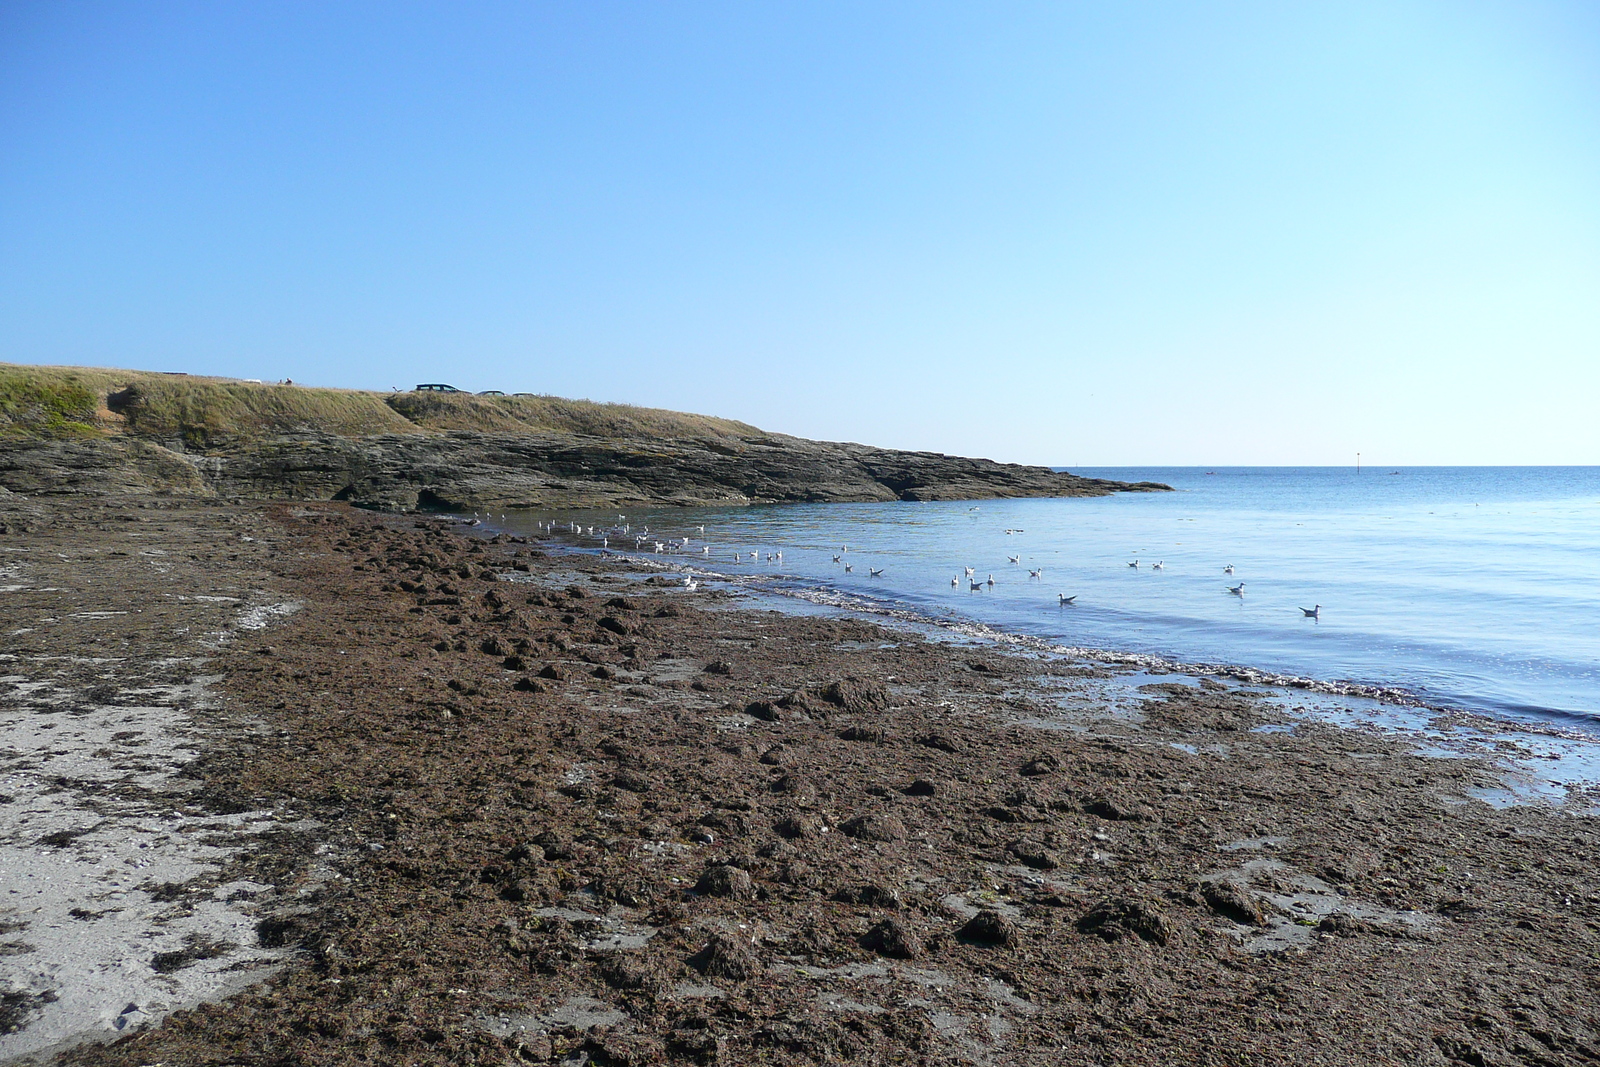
(644, 541)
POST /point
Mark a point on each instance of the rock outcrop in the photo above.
(479, 470)
(160, 433)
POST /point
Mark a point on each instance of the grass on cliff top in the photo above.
(38, 406)
(206, 413)
(551, 414)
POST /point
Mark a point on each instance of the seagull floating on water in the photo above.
(977, 586)
(875, 572)
(1035, 573)
(1134, 564)
(991, 579)
(970, 572)
(1015, 559)
(1237, 590)
(848, 568)
(955, 582)
(1228, 569)
(1313, 612)
(1159, 565)
(1065, 599)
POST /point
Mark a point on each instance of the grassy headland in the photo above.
(84, 429)
(205, 413)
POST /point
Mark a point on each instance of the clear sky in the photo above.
(1078, 234)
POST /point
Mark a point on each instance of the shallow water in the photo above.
(1470, 588)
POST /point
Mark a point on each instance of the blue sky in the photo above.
(1075, 234)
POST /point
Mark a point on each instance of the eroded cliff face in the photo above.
(484, 470)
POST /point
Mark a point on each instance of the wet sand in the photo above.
(548, 808)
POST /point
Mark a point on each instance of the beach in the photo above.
(476, 800)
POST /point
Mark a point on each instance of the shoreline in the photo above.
(651, 827)
(1544, 722)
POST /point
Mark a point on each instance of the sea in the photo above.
(1474, 589)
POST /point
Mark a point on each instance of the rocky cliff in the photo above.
(204, 437)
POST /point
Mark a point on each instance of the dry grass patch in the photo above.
(550, 414)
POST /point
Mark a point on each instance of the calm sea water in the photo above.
(1476, 588)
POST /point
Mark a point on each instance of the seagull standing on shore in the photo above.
(1313, 612)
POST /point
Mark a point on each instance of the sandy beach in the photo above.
(453, 800)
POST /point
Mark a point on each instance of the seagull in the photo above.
(1015, 559)
(1159, 565)
(991, 580)
(1312, 613)
(849, 568)
(706, 550)
(875, 572)
(1065, 599)
(977, 586)
(690, 584)
(1237, 590)
(702, 529)
(970, 572)
(954, 582)
(1035, 573)
(1228, 569)
(837, 559)
(1134, 564)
